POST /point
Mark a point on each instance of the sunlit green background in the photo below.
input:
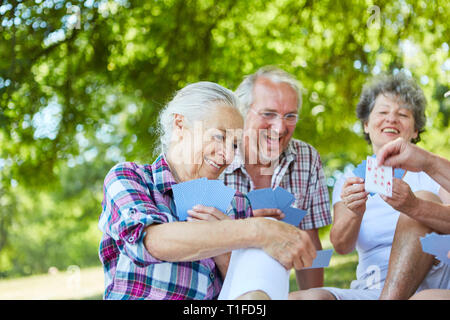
(82, 82)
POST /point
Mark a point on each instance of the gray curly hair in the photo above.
(400, 86)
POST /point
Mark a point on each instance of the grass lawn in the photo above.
(87, 284)
(61, 286)
(340, 273)
(73, 283)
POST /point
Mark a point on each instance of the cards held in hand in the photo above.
(280, 198)
(377, 179)
(210, 193)
(277, 198)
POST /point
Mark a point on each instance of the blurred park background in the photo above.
(82, 82)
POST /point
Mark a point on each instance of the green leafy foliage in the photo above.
(82, 82)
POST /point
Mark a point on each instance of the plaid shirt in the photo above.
(300, 172)
(136, 196)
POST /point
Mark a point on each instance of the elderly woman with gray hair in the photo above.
(390, 107)
(146, 251)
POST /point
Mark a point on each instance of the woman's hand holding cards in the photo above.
(354, 195)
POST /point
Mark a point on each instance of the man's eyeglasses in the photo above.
(269, 116)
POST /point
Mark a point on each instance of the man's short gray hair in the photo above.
(195, 102)
(399, 86)
(275, 74)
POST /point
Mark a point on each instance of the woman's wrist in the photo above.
(353, 215)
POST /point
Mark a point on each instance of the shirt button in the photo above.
(212, 276)
(131, 239)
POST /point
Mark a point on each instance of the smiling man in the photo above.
(269, 157)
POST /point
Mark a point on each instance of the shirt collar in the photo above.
(238, 162)
(289, 153)
(162, 176)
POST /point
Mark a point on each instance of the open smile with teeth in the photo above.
(390, 130)
(215, 165)
(273, 139)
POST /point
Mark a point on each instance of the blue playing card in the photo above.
(437, 245)
(322, 259)
(293, 215)
(279, 198)
(217, 195)
(178, 197)
(283, 198)
(360, 170)
(262, 199)
(186, 195)
(398, 173)
(196, 191)
(208, 196)
(210, 193)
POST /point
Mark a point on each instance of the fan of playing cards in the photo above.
(282, 199)
(277, 199)
(210, 193)
(377, 179)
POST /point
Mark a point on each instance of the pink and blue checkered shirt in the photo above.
(300, 172)
(136, 196)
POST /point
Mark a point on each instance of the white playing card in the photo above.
(378, 178)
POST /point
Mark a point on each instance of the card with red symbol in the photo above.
(378, 178)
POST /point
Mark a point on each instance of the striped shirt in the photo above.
(300, 172)
(136, 196)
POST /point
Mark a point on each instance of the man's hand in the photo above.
(403, 154)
